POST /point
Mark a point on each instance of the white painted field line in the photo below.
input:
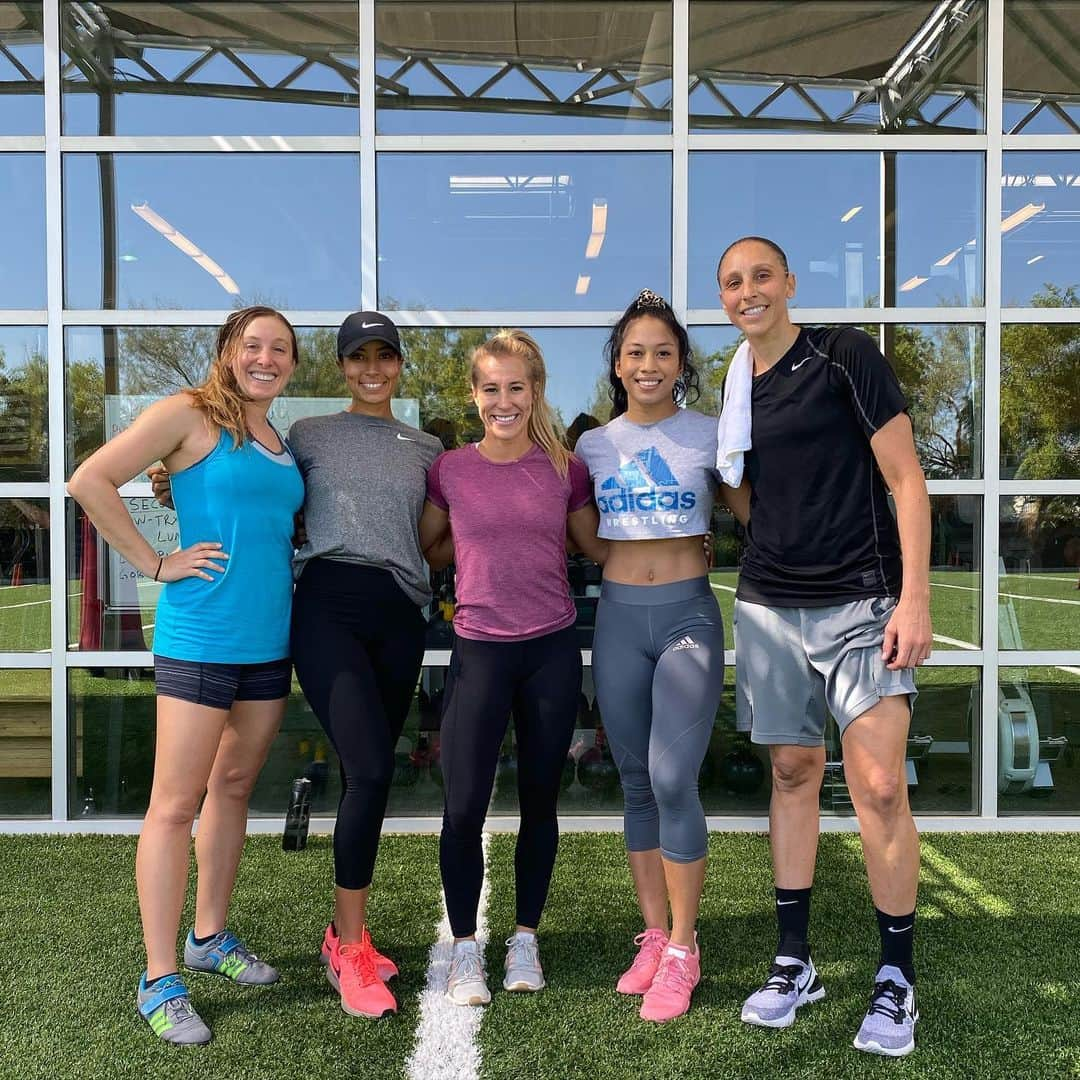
(723, 588)
(29, 603)
(1010, 595)
(446, 1046)
(956, 643)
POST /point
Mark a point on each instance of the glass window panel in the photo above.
(25, 743)
(1040, 248)
(1042, 67)
(1039, 572)
(1040, 401)
(210, 69)
(22, 226)
(22, 69)
(1038, 732)
(829, 224)
(211, 230)
(836, 66)
(523, 231)
(24, 575)
(24, 404)
(496, 68)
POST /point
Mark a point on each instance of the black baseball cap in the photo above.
(364, 326)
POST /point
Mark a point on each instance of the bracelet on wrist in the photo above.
(160, 563)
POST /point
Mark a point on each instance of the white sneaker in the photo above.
(466, 984)
(523, 970)
(791, 984)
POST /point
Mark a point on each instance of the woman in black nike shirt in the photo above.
(830, 617)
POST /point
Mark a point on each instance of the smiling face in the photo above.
(263, 360)
(503, 393)
(755, 288)
(372, 374)
(649, 364)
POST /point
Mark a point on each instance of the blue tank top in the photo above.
(245, 499)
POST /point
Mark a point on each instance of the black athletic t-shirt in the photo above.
(820, 529)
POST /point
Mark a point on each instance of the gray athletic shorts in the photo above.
(791, 664)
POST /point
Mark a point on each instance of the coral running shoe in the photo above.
(669, 996)
(352, 972)
(638, 977)
(384, 966)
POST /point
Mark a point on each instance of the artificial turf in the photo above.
(70, 956)
(996, 947)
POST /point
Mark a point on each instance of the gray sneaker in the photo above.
(523, 970)
(467, 984)
(791, 983)
(166, 1007)
(225, 954)
(889, 1024)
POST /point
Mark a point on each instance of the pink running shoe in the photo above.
(384, 966)
(678, 974)
(639, 975)
(352, 973)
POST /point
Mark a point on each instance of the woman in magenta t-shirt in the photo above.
(511, 500)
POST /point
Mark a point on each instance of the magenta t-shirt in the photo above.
(509, 525)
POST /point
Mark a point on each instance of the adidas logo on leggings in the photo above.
(685, 643)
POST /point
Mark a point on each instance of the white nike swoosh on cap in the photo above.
(404, 438)
(369, 325)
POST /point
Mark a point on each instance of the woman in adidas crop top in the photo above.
(510, 501)
(221, 641)
(658, 651)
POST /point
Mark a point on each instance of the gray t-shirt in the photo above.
(366, 479)
(653, 481)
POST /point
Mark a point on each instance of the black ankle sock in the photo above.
(897, 942)
(201, 941)
(151, 983)
(793, 918)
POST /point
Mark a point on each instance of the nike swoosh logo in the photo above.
(784, 903)
(809, 979)
(900, 929)
(369, 325)
(404, 438)
(795, 367)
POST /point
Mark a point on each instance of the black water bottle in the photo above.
(297, 816)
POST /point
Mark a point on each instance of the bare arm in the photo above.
(738, 501)
(162, 430)
(581, 526)
(908, 636)
(436, 541)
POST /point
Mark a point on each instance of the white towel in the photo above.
(733, 427)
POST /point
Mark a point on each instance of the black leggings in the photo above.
(357, 645)
(539, 681)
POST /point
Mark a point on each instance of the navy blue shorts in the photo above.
(219, 685)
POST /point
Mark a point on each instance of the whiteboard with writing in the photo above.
(159, 525)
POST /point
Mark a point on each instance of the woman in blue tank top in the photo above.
(221, 641)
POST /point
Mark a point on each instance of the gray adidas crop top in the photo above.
(653, 481)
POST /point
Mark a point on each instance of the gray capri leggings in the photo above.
(658, 667)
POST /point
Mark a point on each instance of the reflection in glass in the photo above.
(1039, 572)
(214, 68)
(495, 68)
(829, 224)
(523, 231)
(24, 404)
(798, 66)
(1040, 401)
(22, 226)
(1040, 252)
(24, 575)
(22, 69)
(1038, 734)
(940, 368)
(1042, 67)
(25, 743)
(211, 230)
